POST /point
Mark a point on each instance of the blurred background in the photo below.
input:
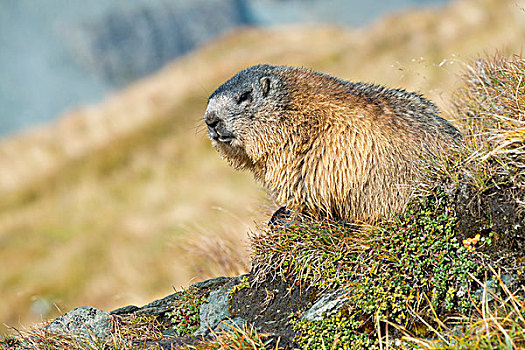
(110, 192)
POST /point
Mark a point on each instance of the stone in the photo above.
(213, 282)
(214, 311)
(84, 321)
(125, 310)
(490, 288)
(215, 314)
(328, 304)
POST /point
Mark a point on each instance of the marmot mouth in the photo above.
(221, 138)
(225, 139)
(220, 135)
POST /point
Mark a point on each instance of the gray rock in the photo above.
(155, 308)
(125, 310)
(160, 306)
(214, 311)
(328, 304)
(85, 321)
(170, 332)
(213, 282)
(215, 314)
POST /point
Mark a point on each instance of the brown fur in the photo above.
(323, 146)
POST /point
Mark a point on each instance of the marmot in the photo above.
(323, 146)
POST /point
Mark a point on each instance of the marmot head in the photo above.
(245, 109)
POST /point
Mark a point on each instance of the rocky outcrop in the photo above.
(265, 305)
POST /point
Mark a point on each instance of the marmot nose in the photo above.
(211, 118)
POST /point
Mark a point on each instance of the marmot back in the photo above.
(324, 146)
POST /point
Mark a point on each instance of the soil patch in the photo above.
(267, 305)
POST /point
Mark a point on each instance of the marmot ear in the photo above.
(266, 84)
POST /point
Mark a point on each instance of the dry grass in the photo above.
(127, 334)
(97, 209)
(132, 333)
(236, 339)
(498, 324)
(492, 106)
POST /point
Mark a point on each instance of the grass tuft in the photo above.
(498, 324)
(490, 108)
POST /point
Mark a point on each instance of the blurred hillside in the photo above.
(61, 53)
(128, 44)
(116, 203)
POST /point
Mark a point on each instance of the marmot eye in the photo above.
(245, 96)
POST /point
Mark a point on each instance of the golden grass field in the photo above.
(121, 202)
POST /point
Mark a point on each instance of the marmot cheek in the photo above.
(252, 149)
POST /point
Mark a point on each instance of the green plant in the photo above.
(185, 314)
(338, 331)
(404, 272)
(245, 283)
